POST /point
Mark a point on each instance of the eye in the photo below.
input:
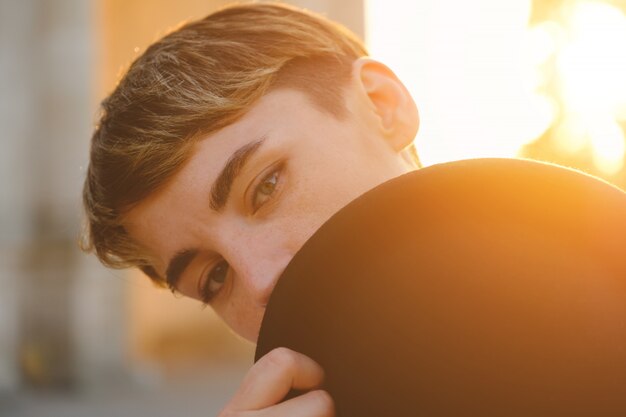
(265, 189)
(214, 281)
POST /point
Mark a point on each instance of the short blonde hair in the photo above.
(194, 81)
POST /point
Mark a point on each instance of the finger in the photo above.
(271, 378)
(312, 404)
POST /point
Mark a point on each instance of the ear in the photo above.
(395, 112)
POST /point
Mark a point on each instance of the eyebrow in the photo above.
(219, 196)
(221, 188)
(177, 266)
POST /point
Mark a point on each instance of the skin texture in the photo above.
(271, 379)
(308, 165)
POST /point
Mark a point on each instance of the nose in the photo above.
(257, 260)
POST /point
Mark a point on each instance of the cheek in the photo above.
(323, 194)
(244, 319)
(304, 211)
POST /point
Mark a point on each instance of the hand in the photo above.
(271, 378)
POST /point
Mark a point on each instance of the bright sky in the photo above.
(476, 68)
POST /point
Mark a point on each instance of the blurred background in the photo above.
(541, 79)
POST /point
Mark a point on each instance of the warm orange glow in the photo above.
(465, 64)
(476, 70)
(592, 64)
(607, 141)
(542, 41)
(571, 134)
(592, 68)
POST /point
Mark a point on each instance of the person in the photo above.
(224, 147)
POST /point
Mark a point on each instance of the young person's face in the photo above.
(228, 223)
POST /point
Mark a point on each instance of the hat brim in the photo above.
(475, 288)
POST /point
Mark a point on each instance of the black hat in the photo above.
(474, 288)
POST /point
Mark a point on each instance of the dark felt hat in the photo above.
(475, 288)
